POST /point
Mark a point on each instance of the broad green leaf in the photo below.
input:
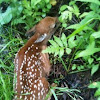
(62, 8)
(89, 51)
(74, 26)
(89, 16)
(64, 39)
(6, 16)
(80, 28)
(94, 69)
(58, 41)
(94, 7)
(84, 14)
(97, 93)
(11, 12)
(94, 85)
(96, 34)
(92, 1)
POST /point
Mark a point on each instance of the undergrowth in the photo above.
(9, 45)
(82, 44)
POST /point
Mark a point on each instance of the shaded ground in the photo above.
(78, 81)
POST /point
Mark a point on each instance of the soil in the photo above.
(78, 81)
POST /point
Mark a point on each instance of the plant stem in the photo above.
(64, 64)
(74, 54)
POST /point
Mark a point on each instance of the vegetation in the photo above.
(79, 39)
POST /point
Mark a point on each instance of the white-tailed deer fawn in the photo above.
(31, 65)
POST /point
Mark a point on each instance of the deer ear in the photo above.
(30, 32)
(41, 38)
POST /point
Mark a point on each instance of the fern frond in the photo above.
(58, 46)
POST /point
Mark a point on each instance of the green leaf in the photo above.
(56, 52)
(82, 67)
(10, 13)
(53, 43)
(71, 42)
(49, 6)
(58, 41)
(96, 34)
(64, 25)
(64, 39)
(90, 50)
(90, 60)
(80, 28)
(35, 2)
(74, 67)
(76, 10)
(6, 16)
(94, 69)
(79, 68)
(61, 52)
(68, 50)
(74, 26)
(98, 59)
(97, 93)
(17, 21)
(70, 15)
(98, 98)
(84, 14)
(62, 8)
(94, 85)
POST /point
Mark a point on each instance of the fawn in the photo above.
(31, 65)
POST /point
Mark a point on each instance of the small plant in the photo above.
(34, 11)
(28, 12)
(66, 13)
(72, 93)
(58, 46)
